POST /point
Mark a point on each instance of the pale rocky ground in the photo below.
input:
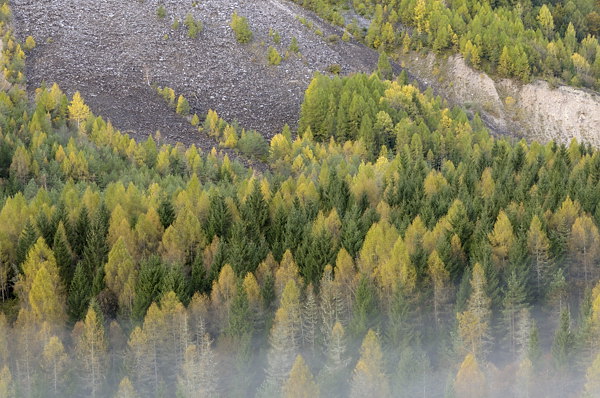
(532, 111)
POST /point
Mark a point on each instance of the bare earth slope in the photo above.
(111, 50)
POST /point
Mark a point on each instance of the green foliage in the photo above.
(161, 12)
(194, 27)
(273, 56)
(241, 28)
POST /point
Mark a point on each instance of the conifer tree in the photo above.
(148, 286)
(78, 110)
(121, 275)
(6, 383)
(27, 239)
(538, 245)
(55, 363)
(514, 302)
(80, 293)
(369, 378)
(440, 279)
(470, 380)
(91, 348)
(300, 383)
(592, 383)
(563, 341)
(126, 389)
(501, 239)
(334, 373)
(63, 254)
(583, 244)
(474, 323)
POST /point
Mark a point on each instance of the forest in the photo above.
(391, 247)
(556, 41)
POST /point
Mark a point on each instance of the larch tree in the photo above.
(474, 323)
(538, 246)
(140, 362)
(377, 247)
(148, 232)
(120, 275)
(55, 363)
(39, 287)
(78, 110)
(187, 382)
(223, 291)
(7, 388)
(126, 389)
(369, 378)
(470, 380)
(584, 244)
(5, 331)
(310, 319)
(333, 374)
(501, 239)
(284, 339)
(300, 383)
(592, 379)
(440, 279)
(91, 348)
(396, 272)
(331, 304)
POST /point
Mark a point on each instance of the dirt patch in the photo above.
(111, 50)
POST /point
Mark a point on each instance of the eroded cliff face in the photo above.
(533, 111)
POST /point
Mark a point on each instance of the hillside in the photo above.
(387, 245)
(111, 51)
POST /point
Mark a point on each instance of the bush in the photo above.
(275, 36)
(240, 27)
(193, 26)
(29, 43)
(161, 12)
(274, 57)
(333, 39)
(294, 46)
(334, 69)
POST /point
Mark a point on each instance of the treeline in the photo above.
(555, 41)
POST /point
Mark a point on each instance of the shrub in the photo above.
(333, 39)
(334, 69)
(161, 12)
(294, 46)
(275, 36)
(29, 43)
(193, 26)
(274, 57)
(240, 27)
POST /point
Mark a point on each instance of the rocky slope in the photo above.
(533, 111)
(113, 50)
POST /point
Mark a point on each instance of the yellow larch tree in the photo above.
(121, 274)
(300, 383)
(78, 110)
(501, 239)
(369, 378)
(470, 380)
